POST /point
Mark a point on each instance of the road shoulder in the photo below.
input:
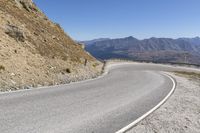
(180, 114)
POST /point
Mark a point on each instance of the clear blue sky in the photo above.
(89, 19)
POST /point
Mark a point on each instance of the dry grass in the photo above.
(35, 51)
(190, 75)
(48, 38)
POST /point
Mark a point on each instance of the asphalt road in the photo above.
(103, 105)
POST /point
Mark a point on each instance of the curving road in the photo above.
(103, 105)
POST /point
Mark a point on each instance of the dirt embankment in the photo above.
(36, 52)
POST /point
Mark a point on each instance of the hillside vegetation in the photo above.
(35, 51)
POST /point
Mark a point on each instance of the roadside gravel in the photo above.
(180, 114)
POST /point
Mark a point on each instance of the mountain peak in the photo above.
(130, 38)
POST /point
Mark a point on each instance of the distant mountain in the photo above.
(182, 50)
(195, 40)
(93, 41)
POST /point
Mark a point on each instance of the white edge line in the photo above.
(131, 125)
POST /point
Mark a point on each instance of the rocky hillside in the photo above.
(182, 50)
(35, 51)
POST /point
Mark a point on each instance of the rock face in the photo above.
(182, 50)
(26, 4)
(35, 51)
(15, 33)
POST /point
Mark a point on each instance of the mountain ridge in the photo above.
(182, 50)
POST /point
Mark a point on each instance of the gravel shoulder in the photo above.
(180, 114)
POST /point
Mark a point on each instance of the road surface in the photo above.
(103, 105)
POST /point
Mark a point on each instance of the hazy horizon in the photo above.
(90, 19)
(137, 38)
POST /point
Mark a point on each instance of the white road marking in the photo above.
(131, 125)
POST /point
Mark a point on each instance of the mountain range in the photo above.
(181, 50)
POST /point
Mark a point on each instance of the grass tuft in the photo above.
(188, 74)
(2, 68)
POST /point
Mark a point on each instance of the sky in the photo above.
(90, 19)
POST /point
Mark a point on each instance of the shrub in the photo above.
(95, 64)
(2, 68)
(15, 51)
(68, 70)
